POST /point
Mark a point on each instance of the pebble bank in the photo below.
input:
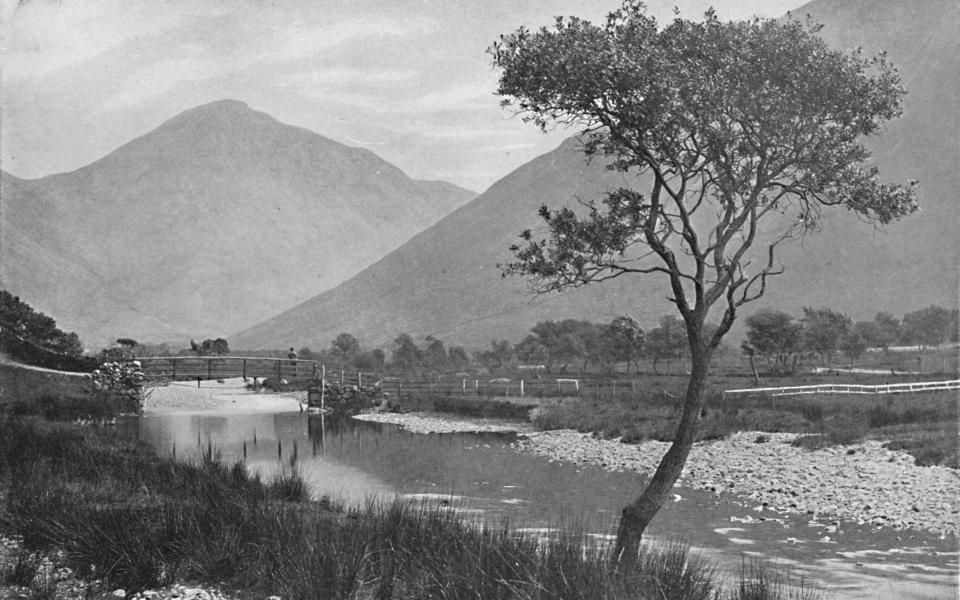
(864, 482)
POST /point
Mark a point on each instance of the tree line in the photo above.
(552, 346)
(783, 342)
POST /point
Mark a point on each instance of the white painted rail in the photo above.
(841, 388)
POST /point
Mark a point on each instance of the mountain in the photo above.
(217, 219)
(444, 282)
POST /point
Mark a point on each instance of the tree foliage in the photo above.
(930, 326)
(21, 320)
(823, 329)
(210, 347)
(775, 336)
(735, 136)
(626, 339)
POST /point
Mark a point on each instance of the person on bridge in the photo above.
(292, 355)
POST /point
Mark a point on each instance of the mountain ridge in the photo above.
(218, 218)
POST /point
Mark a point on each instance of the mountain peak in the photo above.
(219, 110)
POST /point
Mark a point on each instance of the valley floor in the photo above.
(862, 482)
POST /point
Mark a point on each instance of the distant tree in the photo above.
(406, 355)
(457, 358)
(219, 347)
(870, 332)
(930, 326)
(823, 329)
(626, 340)
(531, 351)
(744, 131)
(889, 329)
(775, 336)
(666, 341)
(306, 353)
(374, 360)
(210, 347)
(344, 349)
(435, 355)
(127, 343)
(563, 341)
(852, 343)
(598, 346)
(497, 356)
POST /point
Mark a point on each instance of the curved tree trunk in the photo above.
(638, 515)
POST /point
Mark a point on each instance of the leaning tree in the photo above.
(736, 136)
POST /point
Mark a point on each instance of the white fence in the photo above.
(840, 388)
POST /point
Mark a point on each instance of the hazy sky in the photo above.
(410, 80)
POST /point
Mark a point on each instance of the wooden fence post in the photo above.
(174, 361)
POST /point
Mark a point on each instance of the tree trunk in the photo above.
(753, 367)
(638, 515)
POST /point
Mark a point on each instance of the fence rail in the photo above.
(224, 367)
(839, 388)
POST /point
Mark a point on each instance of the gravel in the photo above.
(428, 422)
(863, 482)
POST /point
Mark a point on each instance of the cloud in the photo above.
(45, 38)
(508, 147)
(160, 78)
(305, 41)
(344, 76)
(472, 95)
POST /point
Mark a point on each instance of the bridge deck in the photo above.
(225, 367)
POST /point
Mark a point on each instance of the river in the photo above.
(482, 476)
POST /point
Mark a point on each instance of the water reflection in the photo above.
(481, 476)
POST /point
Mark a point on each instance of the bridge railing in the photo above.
(224, 367)
(839, 388)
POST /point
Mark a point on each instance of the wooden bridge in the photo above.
(183, 368)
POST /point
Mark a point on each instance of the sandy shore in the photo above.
(212, 396)
(864, 482)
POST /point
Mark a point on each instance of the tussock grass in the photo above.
(115, 511)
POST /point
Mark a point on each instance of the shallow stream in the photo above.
(482, 476)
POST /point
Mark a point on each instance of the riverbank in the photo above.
(862, 482)
(107, 518)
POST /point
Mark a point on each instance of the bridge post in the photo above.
(244, 369)
(174, 377)
(279, 366)
(209, 368)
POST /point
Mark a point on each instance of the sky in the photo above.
(408, 79)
